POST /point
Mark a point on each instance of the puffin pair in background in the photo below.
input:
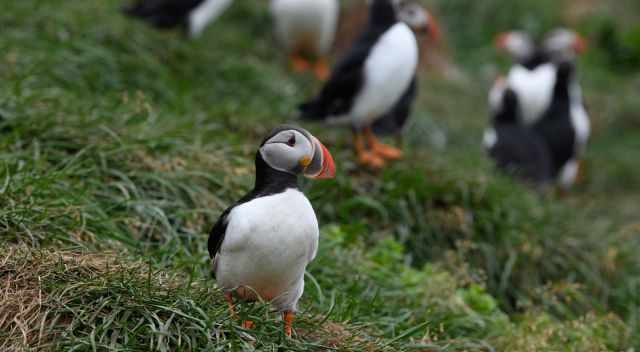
(539, 125)
(375, 81)
(304, 28)
(261, 245)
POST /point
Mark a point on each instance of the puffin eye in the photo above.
(292, 141)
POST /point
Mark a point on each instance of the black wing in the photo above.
(394, 121)
(338, 93)
(555, 126)
(162, 13)
(216, 236)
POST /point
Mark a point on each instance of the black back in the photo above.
(539, 57)
(555, 127)
(338, 93)
(162, 13)
(394, 121)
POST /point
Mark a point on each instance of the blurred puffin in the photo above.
(546, 100)
(261, 245)
(370, 80)
(532, 76)
(516, 148)
(565, 126)
(421, 21)
(306, 29)
(191, 15)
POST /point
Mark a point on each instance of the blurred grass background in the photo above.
(119, 147)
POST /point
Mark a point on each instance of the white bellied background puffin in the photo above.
(532, 75)
(190, 15)
(541, 95)
(370, 80)
(263, 243)
(306, 30)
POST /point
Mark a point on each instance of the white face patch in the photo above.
(560, 44)
(284, 151)
(519, 45)
(413, 15)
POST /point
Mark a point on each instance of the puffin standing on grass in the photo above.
(191, 15)
(516, 148)
(532, 75)
(369, 81)
(306, 30)
(262, 244)
(541, 102)
(564, 127)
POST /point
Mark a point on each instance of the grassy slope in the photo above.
(120, 146)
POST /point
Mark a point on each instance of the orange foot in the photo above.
(382, 150)
(288, 317)
(371, 159)
(247, 324)
(321, 69)
(299, 64)
(387, 152)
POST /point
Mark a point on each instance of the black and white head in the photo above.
(417, 17)
(563, 44)
(518, 44)
(295, 151)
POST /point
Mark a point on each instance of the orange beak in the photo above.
(433, 29)
(328, 169)
(501, 40)
(580, 44)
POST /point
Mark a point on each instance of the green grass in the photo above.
(120, 146)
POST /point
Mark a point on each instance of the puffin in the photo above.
(565, 126)
(370, 80)
(532, 75)
(515, 148)
(261, 245)
(306, 30)
(190, 15)
(541, 102)
(394, 121)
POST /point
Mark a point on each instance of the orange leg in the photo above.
(232, 310)
(365, 157)
(288, 317)
(247, 324)
(298, 63)
(321, 69)
(382, 150)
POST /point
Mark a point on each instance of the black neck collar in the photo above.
(382, 15)
(271, 181)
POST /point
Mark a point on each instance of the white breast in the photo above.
(495, 95)
(305, 24)
(579, 117)
(388, 71)
(206, 12)
(534, 89)
(268, 243)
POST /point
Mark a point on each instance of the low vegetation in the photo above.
(119, 147)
